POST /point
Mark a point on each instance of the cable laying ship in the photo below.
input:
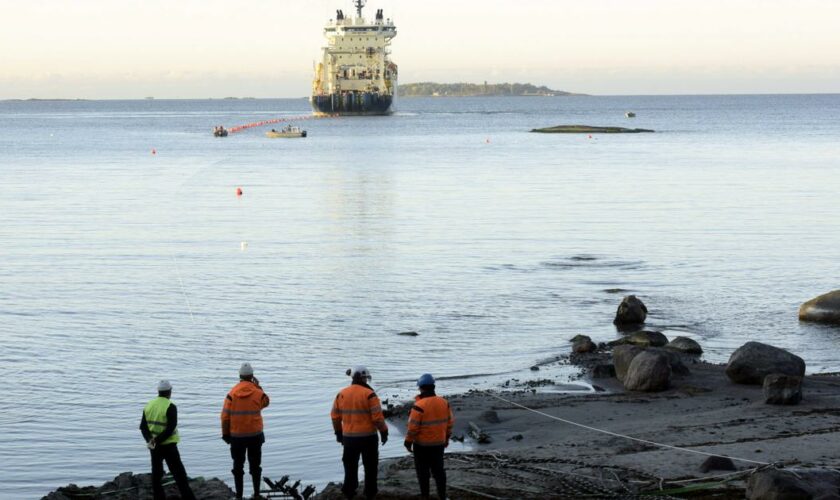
(355, 75)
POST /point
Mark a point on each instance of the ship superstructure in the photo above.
(355, 75)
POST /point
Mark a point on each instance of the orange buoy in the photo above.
(239, 191)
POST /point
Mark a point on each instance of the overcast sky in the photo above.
(266, 48)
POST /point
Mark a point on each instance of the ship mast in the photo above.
(359, 5)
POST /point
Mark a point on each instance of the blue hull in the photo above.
(352, 103)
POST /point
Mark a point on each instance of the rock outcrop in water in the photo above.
(631, 311)
(128, 486)
(753, 361)
(684, 345)
(822, 309)
(586, 129)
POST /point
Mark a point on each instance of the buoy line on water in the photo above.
(263, 123)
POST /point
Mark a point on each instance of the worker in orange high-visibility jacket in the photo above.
(357, 416)
(429, 429)
(242, 428)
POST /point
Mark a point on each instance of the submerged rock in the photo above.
(631, 311)
(782, 389)
(753, 361)
(822, 309)
(647, 338)
(648, 372)
(788, 484)
(684, 345)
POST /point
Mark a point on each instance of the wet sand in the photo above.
(533, 456)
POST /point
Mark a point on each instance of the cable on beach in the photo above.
(624, 436)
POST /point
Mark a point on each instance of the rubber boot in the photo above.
(238, 484)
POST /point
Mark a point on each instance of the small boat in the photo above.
(630, 114)
(219, 131)
(286, 132)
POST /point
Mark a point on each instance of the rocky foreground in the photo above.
(128, 486)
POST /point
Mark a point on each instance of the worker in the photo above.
(429, 429)
(159, 426)
(242, 428)
(356, 417)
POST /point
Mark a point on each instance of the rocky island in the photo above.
(432, 89)
(586, 129)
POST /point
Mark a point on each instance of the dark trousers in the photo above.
(239, 450)
(169, 453)
(428, 461)
(368, 449)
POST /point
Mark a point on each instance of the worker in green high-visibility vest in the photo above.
(159, 427)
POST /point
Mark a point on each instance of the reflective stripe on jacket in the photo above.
(155, 413)
(430, 421)
(357, 412)
(241, 413)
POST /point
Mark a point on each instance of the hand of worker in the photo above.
(339, 437)
(151, 444)
(384, 437)
(226, 438)
(408, 446)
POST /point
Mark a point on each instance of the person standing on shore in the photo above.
(159, 426)
(242, 428)
(356, 416)
(429, 429)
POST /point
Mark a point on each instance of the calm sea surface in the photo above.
(119, 267)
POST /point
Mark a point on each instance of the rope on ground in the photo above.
(615, 434)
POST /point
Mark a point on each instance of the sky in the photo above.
(112, 49)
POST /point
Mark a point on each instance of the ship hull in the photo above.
(352, 104)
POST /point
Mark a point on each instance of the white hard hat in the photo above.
(360, 372)
(164, 386)
(246, 370)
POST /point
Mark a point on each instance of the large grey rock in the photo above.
(648, 372)
(753, 361)
(782, 389)
(622, 357)
(674, 359)
(794, 484)
(822, 309)
(582, 344)
(684, 345)
(631, 311)
(647, 338)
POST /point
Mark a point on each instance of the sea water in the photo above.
(126, 256)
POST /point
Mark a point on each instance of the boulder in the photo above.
(790, 484)
(647, 338)
(648, 372)
(753, 361)
(622, 357)
(582, 343)
(782, 389)
(684, 345)
(822, 309)
(674, 358)
(631, 311)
